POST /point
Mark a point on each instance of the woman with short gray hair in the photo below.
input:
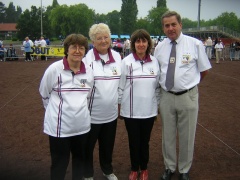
(103, 104)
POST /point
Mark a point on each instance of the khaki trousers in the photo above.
(179, 119)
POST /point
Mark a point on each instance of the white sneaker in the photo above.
(90, 178)
(111, 176)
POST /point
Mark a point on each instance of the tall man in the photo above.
(179, 101)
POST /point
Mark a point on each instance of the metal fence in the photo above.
(16, 52)
(19, 54)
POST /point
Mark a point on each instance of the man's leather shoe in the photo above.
(184, 176)
(167, 175)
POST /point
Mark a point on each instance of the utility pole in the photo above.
(199, 9)
(41, 20)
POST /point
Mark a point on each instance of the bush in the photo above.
(14, 39)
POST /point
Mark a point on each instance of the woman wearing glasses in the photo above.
(103, 104)
(64, 88)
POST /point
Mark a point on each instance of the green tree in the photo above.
(11, 15)
(58, 19)
(100, 18)
(23, 25)
(74, 19)
(162, 3)
(55, 3)
(114, 22)
(187, 23)
(143, 23)
(229, 20)
(18, 13)
(2, 12)
(129, 13)
(154, 17)
(29, 24)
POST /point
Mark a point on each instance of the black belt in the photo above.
(181, 92)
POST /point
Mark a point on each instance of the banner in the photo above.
(48, 51)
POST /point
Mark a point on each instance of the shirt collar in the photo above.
(146, 59)
(97, 57)
(82, 69)
(178, 39)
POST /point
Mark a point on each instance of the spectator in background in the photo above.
(153, 45)
(219, 48)
(11, 53)
(118, 46)
(209, 44)
(36, 45)
(31, 45)
(223, 50)
(126, 47)
(232, 50)
(213, 48)
(43, 44)
(90, 46)
(27, 49)
(48, 41)
(237, 50)
(2, 52)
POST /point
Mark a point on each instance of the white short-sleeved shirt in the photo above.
(64, 95)
(103, 103)
(191, 59)
(138, 87)
(218, 47)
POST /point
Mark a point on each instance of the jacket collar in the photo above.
(82, 68)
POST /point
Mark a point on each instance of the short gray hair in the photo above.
(98, 28)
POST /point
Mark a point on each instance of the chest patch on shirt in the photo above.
(186, 58)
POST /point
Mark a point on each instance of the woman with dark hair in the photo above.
(138, 100)
(64, 88)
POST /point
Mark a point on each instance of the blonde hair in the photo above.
(98, 28)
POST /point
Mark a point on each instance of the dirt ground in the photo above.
(24, 148)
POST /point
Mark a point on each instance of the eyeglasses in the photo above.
(102, 38)
(75, 48)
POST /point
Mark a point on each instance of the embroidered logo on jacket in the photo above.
(82, 82)
(151, 71)
(114, 71)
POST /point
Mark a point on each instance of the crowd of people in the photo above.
(235, 50)
(28, 44)
(10, 53)
(89, 90)
(216, 49)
